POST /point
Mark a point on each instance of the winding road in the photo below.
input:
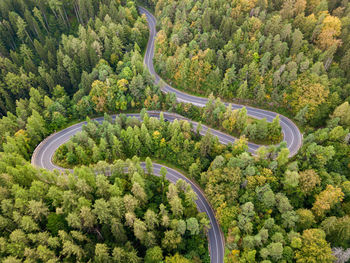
(42, 156)
(44, 152)
(291, 133)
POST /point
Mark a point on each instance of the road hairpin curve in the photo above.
(43, 154)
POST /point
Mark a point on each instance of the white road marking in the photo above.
(286, 124)
(56, 139)
(223, 138)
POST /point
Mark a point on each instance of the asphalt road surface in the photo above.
(42, 157)
(43, 154)
(291, 133)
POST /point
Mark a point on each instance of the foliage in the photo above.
(100, 217)
(65, 60)
(276, 54)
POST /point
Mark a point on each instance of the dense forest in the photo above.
(109, 217)
(270, 208)
(62, 61)
(235, 122)
(290, 54)
(55, 69)
(42, 48)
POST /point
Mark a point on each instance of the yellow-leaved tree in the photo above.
(98, 94)
(327, 199)
(308, 90)
(314, 248)
(331, 29)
